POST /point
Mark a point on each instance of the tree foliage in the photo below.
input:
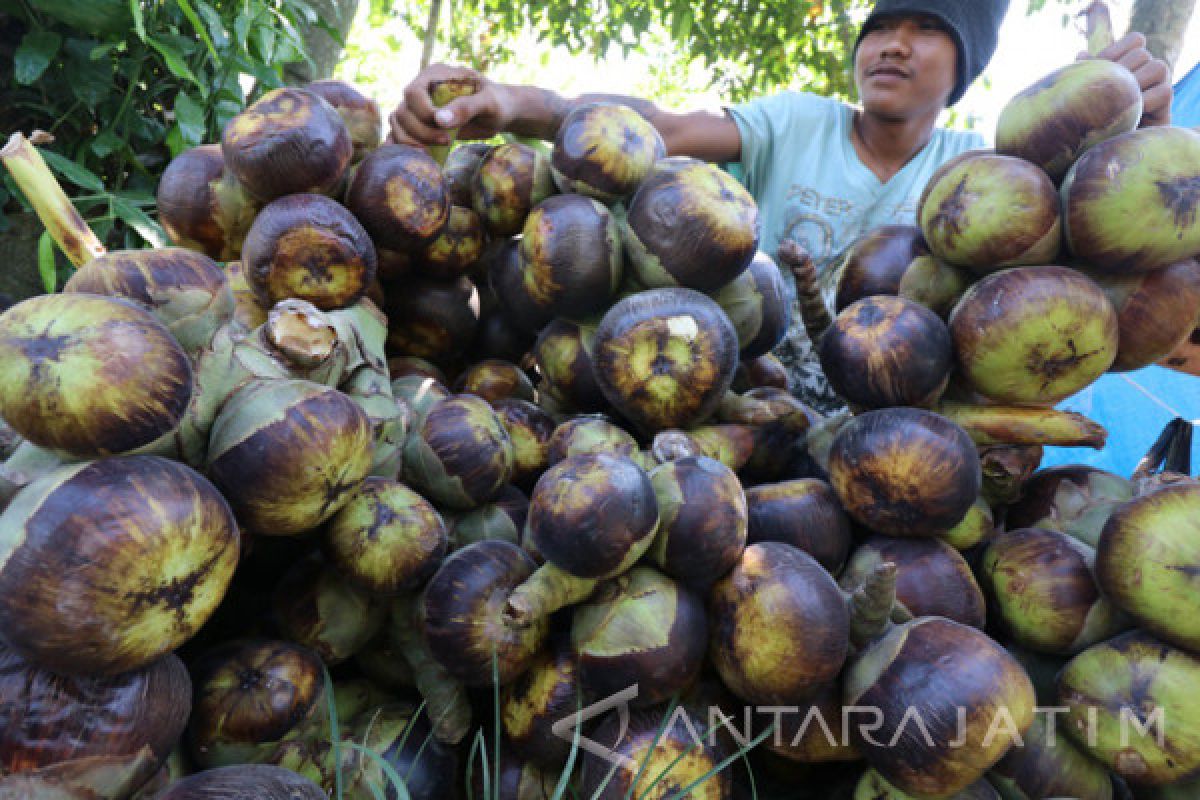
(748, 46)
(123, 85)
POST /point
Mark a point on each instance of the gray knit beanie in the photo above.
(974, 26)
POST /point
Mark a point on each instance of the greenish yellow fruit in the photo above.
(90, 376)
(1055, 120)
(986, 212)
(604, 150)
(107, 565)
(1132, 203)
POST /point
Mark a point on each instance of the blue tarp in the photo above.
(1135, 406)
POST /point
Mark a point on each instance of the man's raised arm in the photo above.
(534, 112)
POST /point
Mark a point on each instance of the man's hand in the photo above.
(416, 121)
(1152, 74)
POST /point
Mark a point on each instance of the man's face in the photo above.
(906, 65)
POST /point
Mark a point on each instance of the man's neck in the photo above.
(886, 145)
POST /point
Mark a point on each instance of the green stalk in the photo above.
(547, 590)
(1021, 425)
(446, 699)
(49, 201)
(442, 92)
(1099, 27)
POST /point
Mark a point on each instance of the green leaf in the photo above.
(241, 29)
(94, 16)
(47, 268)
(77, 174)
(174, 60)
(190, 116)
(139, 20)
(194, 18)
(216, 25)
(139, 220)
(106, 144)
(35, 53)
(175, 141)
(91, 81)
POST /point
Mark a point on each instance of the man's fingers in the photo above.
(416, 94)
(463, 109)
(1126, 44)
(1156, 105)
(1135, 60)
(407, 129)
(1153, 73)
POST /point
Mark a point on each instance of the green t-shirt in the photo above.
(801, 167)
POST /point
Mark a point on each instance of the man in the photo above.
(822, 172)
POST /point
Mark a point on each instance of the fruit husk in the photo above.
(873, 786)
(495, 380)
(458, 454)
(570, 256)
(509, 182)
(779, 626)
(757, 304)
(462, 615)
(604, 151)
(1130, 202)
(1033, 335)
(529, 429)
(804, 513)
(249, 696)
(89, 375)
(432, 320)
(1186, 357)
(289, 141)
(318, 608)
(399, 196)
(693, 227)
(187, 291)
(664, 358)
(1051, 124)
(934, 284)
(936, 667)
(288, 454)
(932, 579)
(400, 734)
(564, 357)
(658, 758)
(764, 371)
(454, 251)
(904, 472)
(132, 721)
(532, 705)
(976, 527)
(1048, 764)
(1043, 592)
(593, 515)
(589, 434)
(987, 212)
(244, 782)
(1146, 560)
(1146, 677)
(308, 247)
(361, 114)
(640, 628)
(201, 205)
(1074, 499)
(887, 351)
(1156, 312)
(108, 565)
(459, 170)
(876, 262)
(702, 520)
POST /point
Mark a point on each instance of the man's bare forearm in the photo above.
(540, 112)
